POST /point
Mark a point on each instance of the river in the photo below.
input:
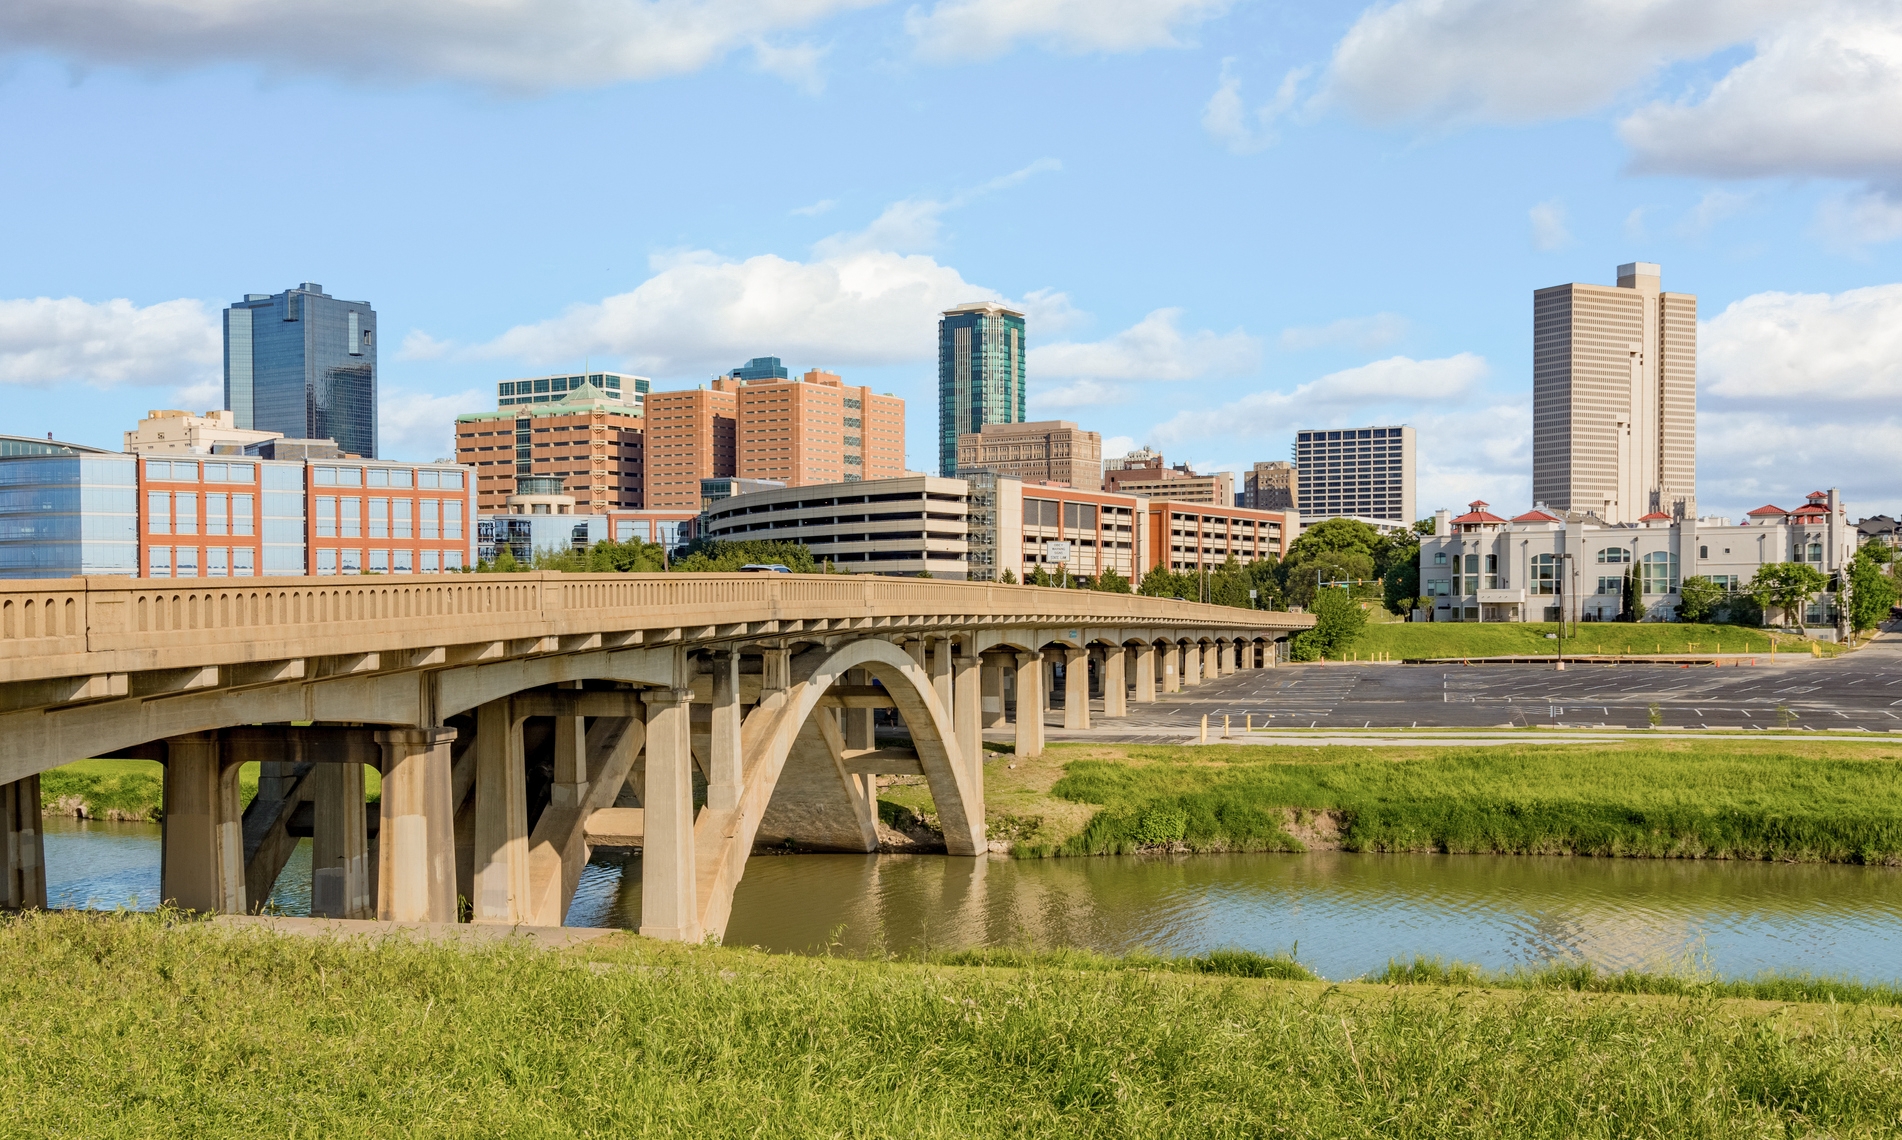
(1344, 915)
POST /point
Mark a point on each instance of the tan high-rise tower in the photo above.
(1614, 397)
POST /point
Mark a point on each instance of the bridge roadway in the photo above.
(519, 720)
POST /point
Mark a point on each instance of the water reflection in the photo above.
(1349, 914)
(95, 864)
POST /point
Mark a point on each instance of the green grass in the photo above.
(126, 1027)
(1684, 799)
(1584, 978)
(134, 789)
(1414, 640)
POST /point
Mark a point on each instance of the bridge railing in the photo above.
(122, 624)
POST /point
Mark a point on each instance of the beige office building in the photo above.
(1614, 398)
(1272, 485)
(1046, 451)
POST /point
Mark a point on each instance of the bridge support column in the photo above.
(570, 787)
(968, 722)
(501, 816)
(1192, 664)
(23, 883)
(340, 844)
(1030, 704)
(1172, 668)
(775, 677)
(723, 764)
(201, 860)
(993, 684)
(1115, 689)
(941, 672)
(1230, 656)
(1146, 673)
(668, 908)
(1076, 688)
(416, 837)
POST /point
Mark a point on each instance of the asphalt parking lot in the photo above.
(1859, 691)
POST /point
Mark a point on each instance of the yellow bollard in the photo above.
(1224, 725)
(1248, 723)
(1205, 728)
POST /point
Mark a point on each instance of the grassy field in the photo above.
(1721, 798)
(134, 789)
(1506, 639)
(125, 1027)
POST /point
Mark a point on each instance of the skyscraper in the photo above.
(1614, 397)
(1355, 473)
(980, 374)
(303, 363)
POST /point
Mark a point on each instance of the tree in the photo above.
(1788, 586)
(1038, 576)
(1110, 582)
(712, 555)
(1300, 577)
(1338, 621)
(1007, 577)
(1872, 593)
(1700, 598)
(1632, 605)
(1397, 565)
(503, 563)
(1163, 583)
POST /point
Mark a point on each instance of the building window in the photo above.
(158, 562)
(379, 518)
(1612, 554)
(429, 564)
(243, 562)
(218, 562)
(243, 512)
(350, 561)
(452, 518)
(400, 561)
(158, 511)
(215, 514)
(326, 516)
(428, 518)
(1611, 585)
(1492, 571)
(351, 522)
(379, 562)
(1703, 552)
(326, 562)
(184, 514)
(452, 560)
(187, 562)
(1659, 573)
(400, 524)
(1815, 552)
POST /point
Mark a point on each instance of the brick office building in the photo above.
(594, 444)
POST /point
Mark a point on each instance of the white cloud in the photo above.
(1232, 124)
(700, 312)
(797, 64)
(1350, 394)
(1048, 311)
(1821, 97)
(815, 209)
(1117, 446)
(1849, 222)
(419, 345)
(1367, 333)
(518, 45)
(912, 224)
(420, 426)
(1548, 226)
(47, 341)
(1518, 61)
(1748, 458)
(1786, 349)
(1084, 393)
(1152, 349)
(1715, 206)
(982, 29)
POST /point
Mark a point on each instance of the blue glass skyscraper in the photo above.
(980, 374)
(303, 363)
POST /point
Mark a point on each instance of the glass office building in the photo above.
(303, 363)
(615, 387)
(68, 516)
(980, 374)
(761, 368)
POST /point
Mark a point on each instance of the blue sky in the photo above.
(1227, 220)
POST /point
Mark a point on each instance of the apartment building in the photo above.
(1272, 485)
(1043, 451)
(594, 444)
(1479, 566)
(1356, 473)
(691, 435)
(1614, 397)
(1198, 536)
(903, 526)
(614, 387)
(1143, 472)
(815, 430)
(1085, 531)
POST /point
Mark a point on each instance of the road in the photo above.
(1858, 691)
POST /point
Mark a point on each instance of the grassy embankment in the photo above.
(133, 789)
(1416, 640)
(124, 1026)
(1724, 798)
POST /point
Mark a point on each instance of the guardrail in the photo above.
(126, 624)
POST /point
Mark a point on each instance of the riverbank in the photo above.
(1726, 798)
(128, 1026)
(134, 790)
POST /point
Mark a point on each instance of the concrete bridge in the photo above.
(519, 720)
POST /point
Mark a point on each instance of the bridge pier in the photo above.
(340, 844)
(1172, 668)
(668, 904)
(500, 827)
(1076, 689)
(1145, 673)
(1115, 683)
(1192, 664)
(992, 675)
(967, 718)
(416, 836)
(724, 762)
(201, 853)
(23, 876)
(1030, 682)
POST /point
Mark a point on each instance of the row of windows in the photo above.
(184, 562)
(387, 477)
(348, 561)
(167, 512)
(389, 518)
(186, 471)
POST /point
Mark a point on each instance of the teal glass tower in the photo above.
(303, 363)
(980, 374)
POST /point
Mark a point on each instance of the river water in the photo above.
(1344, 915)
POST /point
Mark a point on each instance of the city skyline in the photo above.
(1221, 220)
